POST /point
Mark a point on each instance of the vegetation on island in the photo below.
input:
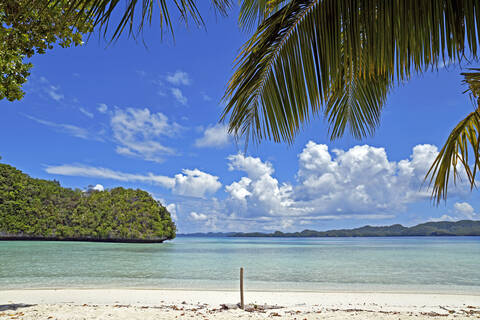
(41, 209)
(440, 228)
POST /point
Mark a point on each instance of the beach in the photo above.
(200, 304)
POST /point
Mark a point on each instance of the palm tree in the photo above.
(340, 58)
(132, 15)
(336, 58)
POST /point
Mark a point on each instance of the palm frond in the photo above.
(253, 12)
(135, 14)
(355, 105)
(472, 80)
(296, 60)
(461, 143)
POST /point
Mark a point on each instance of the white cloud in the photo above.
(138, 132)
(98, 187)
(85, 112)
(69, 129)
(191, 183)
(359, 182)
(259, 193)
(172, 208)
(177, 93)
(195, 183)
(102, 108)
(179, 78)
(51, 90)
(216, 136)
(464, 209)
(461, 211)
(104, 173)
(198, 216)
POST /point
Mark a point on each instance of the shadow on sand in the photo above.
(14, 306)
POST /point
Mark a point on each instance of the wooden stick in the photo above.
(242, 302)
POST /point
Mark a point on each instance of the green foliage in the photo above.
(442, 228)
(461, 146)
(134, 14)
(40, 208)
(338, 58)
(26, 30)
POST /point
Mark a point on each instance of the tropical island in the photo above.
(36, 209)
(439, 228)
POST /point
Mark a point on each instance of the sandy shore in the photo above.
(179, 304)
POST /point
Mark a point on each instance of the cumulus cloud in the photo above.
(97, 187)
(191, 183)
(258, 193)
(138, 132)
(178, 94)
(179, 78)
(339, 184)
(216, 136)
(461, 211)
(195, 183)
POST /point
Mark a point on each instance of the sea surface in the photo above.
(403, 264)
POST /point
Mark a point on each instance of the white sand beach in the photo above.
(188, 304)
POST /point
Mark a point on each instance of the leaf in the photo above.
(296, 61)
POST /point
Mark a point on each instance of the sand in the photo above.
(188, 304)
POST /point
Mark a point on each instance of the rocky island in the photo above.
(36, 209)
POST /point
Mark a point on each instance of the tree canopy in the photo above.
(39, 208)
(26, 30)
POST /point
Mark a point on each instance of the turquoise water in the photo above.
(441, 264)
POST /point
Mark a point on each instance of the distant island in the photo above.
(441, 228)
(36, 209)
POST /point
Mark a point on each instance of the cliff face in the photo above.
(35, 209)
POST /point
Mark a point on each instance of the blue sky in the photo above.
(147, 117)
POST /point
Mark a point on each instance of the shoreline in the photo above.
(197, 304)
(268, 290)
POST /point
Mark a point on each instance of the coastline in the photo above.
(196, 304)
(79, 239)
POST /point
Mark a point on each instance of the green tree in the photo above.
(26, 30)
(335, 58)
(40, 208)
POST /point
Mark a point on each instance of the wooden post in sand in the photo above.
(242, 302)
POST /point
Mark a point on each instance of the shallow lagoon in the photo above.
(418, 264)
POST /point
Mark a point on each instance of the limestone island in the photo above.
(36, 209)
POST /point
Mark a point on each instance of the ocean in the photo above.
(393, 264)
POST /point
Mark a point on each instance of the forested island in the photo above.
(36, 209)
(441, 228)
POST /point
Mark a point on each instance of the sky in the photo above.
(147, 116)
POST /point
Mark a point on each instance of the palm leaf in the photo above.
(256, 11)
(297, 60)
(461, 143)
(455, 153)
(135, 14)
